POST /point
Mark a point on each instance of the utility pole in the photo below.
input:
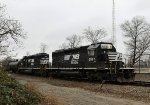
(113, 24)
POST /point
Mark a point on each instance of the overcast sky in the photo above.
(51, 21)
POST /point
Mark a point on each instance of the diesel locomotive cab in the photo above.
(98, 54)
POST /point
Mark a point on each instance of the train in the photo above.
(34, 63)
(99, 61)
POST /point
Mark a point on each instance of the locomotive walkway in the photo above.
(70, 95)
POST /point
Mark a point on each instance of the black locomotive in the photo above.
(98, 61)
(33, 63)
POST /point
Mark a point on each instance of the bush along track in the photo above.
(12, 93)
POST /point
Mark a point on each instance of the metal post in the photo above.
(125, 63)
(139, 64)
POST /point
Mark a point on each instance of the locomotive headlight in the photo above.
(106, 46)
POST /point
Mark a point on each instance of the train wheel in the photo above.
(90, 76)
(100, 76)
(52, 74)
(33, 72)
(47, 74)
(14, 71)
(43, 73)
(58, 74)
(120, 79)
(125, 78)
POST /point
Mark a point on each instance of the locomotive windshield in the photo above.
(91, 52)
(107, 47)
(91, 49)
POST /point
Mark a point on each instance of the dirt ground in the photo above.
(81, 93)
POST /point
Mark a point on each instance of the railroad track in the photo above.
(140, 83)
(135, 83)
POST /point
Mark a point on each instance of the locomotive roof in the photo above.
(38, 54)
(77, 48)
(93, 46)
(13, 63)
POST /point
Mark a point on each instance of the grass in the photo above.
(12, 93)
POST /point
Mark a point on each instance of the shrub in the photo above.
(11, 92)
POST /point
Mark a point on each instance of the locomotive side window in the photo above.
(91, 52)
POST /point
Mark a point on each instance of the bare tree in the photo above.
(43, 47)
(11, 32)
(137, 33)
(5, 62)
(2, 10)
(63, 46)
(71, 42)
(94, 36)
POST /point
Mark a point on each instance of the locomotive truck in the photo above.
(98, 61)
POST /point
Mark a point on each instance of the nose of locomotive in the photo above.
(114, 56)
